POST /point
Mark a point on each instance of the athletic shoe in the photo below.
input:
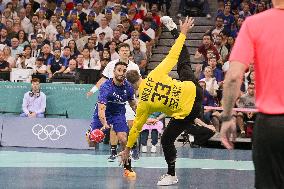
(128, 173)
(168, 22)
(135, 154)
(111, 158)
(243, 134)
(153, 149)
(167, 180)
(144, 149)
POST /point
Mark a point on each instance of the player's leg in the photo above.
(113, 146)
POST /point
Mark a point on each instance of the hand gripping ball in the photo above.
(97, 136)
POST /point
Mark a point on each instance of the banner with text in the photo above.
(41, 132)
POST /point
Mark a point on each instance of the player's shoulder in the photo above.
(107, 84)
(261, 17)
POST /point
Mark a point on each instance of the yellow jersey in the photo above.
(161, 93)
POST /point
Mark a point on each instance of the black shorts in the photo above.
(268, 151)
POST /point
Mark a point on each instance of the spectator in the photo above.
(39, 67)
(34, 101)
(66, 39)
(72, 67)
(15, 48)
(4, 37)
(106, 54)
(86, 7)
(91, 25)
(35, 49)
(135, 36)
(25, 61)
(4, 65)
(155, 126)
(81, 14)
(102, 38)
(246, 101)
(246, 11)
(90, 62)
(73, 47)
(25, 22)
(46, 53)
(7, 57)
(56, 64)
(66, 54)
(139, 57)
(219, 26)
(112, 49)
(105, 28)
(227, 17)
(23, 40)
(111, 21)
(94, 48)
(80, 61)
(117, 37)
(222, 49)
(50, 30)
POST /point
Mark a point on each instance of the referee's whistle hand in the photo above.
(187, 25)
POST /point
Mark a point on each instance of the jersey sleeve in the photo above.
(142, 115)
(103, 94)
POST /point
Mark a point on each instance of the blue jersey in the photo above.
(115, 97)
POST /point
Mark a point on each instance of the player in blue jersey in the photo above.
(110, 109)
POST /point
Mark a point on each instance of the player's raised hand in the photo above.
(187, 25)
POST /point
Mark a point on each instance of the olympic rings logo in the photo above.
(49, 131)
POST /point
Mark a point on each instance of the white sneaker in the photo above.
(168, 22)
(144, 149)
(166, 180)
(153, 149)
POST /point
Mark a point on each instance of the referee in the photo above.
(260, 41)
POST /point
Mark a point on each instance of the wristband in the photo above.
(94, 89)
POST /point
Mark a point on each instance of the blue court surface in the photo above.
(203, 168)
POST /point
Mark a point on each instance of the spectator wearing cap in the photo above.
(135, 36)
(82, 15)
(73, 18)
(50, 30)
(86, 7)
(111, 21)
(25, 22)
(91, 25)
(56, 64)
(24, 60)
(59, 13)
(105, 28)
(39, 67)
(4, 37)
(123, 16)
(15, 48)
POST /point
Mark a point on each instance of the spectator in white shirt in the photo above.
(25, 61)
(105, 28)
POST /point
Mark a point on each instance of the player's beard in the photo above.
(120, 78)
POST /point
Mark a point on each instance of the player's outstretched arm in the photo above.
(172, 58)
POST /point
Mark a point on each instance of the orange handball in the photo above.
(97, 136)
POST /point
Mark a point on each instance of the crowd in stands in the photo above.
(214, 53)
(56, 37)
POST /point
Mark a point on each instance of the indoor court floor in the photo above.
(202, 168)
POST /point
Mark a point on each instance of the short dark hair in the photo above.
(120, 63)
(207, 34)
(34, 80)
(132, 76)
(123, 45)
